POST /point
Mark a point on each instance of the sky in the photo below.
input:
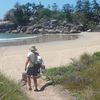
(6, 5)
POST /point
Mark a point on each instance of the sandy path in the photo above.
(58, 53)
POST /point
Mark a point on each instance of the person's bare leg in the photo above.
(29, 82)
(35, 83)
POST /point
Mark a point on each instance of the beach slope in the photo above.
(12, 59)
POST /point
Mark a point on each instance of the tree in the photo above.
(78, 11)
(78, 8)
(96, 11)
(67, 9)
(40, 6)
(10, 16)
(44, 13)
(54, 7)
(22, 13)
(86, 13)
(86, 7)
(34, 8)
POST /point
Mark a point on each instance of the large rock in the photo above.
(14, 31)
(32, 30)
(36, 31)
(7, 26)
(74, 29)
(80, 27)
(97, 29)
(22, 29)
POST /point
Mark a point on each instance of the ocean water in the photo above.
(11, 36)
(8, 39)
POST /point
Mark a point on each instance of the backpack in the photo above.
(38, 59)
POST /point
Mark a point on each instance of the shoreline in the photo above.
(38, 39)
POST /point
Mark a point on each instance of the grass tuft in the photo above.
(9, 90)
(81, 75)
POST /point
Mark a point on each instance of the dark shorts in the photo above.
(33, 70)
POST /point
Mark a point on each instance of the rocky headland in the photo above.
(52, 26)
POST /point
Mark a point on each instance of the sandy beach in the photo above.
(54, 54)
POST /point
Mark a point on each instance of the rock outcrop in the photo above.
(52, 26)
(6, 26)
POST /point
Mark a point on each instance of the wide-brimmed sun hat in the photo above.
(32, 48)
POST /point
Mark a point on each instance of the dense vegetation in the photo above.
(10, 90)
(84, 12)
(82, 76)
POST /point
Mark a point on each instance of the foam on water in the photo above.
(19, 38)
(9, 37)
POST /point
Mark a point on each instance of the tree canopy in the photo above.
(84, 12)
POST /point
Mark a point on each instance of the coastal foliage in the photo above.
(9, 90)
(85, 12)
(81, 76)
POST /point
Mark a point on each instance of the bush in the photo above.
(57, 75)
(9, 90)
(96, 55)
(81, 76)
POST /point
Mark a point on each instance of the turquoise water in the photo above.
(12, 35)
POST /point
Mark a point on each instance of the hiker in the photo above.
(31, 68)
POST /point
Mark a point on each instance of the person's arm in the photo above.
(27, 61)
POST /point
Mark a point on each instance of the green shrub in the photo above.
(57, 75)
(96, 55)
(81, 75)
(9, 90)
